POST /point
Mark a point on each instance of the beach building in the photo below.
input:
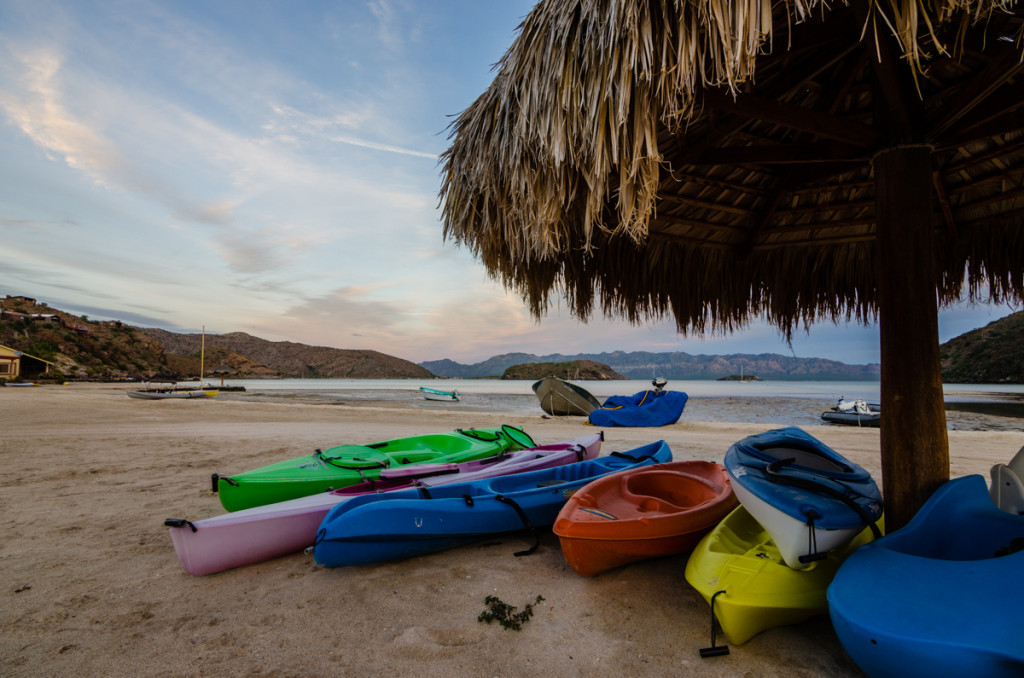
(15, 365)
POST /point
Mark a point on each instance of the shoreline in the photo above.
(93, 585)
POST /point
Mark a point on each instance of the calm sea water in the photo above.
(800, 403)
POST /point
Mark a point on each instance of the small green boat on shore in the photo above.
(345, 465)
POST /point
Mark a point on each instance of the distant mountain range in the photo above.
(81, 348)
(677, 365)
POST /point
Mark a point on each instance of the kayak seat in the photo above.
(551, 483)
(407, 457)
(668, 491)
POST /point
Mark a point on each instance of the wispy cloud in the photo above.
(382, 147)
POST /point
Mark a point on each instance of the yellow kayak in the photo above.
(758, 590)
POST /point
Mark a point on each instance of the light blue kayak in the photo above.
(408, 523)
(940, 597)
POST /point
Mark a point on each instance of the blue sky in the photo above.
(271, 168)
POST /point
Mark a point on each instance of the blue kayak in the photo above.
(407, 523)
(940, 597)
(808, 497)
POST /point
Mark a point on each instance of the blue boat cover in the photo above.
(646, 408)
(940, 597)
(811, 484)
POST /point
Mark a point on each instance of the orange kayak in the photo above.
(642, 513)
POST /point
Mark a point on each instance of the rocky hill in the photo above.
(678, 365)
(587, 370)
(993, 354)
(83, 349)
(292, 359)
(77, 347)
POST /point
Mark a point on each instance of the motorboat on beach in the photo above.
(438, 394)
(561, 398)
(854, 413)
(653, 407)
(168, 389)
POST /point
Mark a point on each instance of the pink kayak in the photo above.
(263, 532)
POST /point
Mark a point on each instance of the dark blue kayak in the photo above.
(406, 523)
(940, 597)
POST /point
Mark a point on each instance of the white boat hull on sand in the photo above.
(164, 395)
(263, 532)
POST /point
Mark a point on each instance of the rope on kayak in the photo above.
(714, 650)
(333, 461)
(812, 540)
(630, 457)
(774, 471)
(216, 476)
(526, 521)
(581, 451)
(180, 522)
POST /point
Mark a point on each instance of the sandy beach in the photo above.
(92, 585)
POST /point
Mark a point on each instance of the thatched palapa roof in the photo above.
(711, 160)
(714, 161)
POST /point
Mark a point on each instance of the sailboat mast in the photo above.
(202, 357)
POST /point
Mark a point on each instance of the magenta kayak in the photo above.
(263, 532)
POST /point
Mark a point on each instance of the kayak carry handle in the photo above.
(180, 522)
(714, 650)
(526, 522)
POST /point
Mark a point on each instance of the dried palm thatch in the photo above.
(716, 160)
(627, 153)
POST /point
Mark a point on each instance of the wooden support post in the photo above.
(915, 447)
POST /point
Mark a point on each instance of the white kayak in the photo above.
(263, 532)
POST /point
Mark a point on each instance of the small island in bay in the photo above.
(587, 370)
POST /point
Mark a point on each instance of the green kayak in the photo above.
(344, 465)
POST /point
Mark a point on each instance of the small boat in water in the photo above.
(642, 513)
(437, 394)
(740, 569)
(854, 413)
(808, 497)
(409, 523)
(263, 532)
(656, 407)
(561, 398)
(345, 465)
(939, 597)
(165, 390)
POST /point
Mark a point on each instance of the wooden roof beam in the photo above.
(794, 117)
(975, 91)
(825, 152)
(704, 204)
(943, 195)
